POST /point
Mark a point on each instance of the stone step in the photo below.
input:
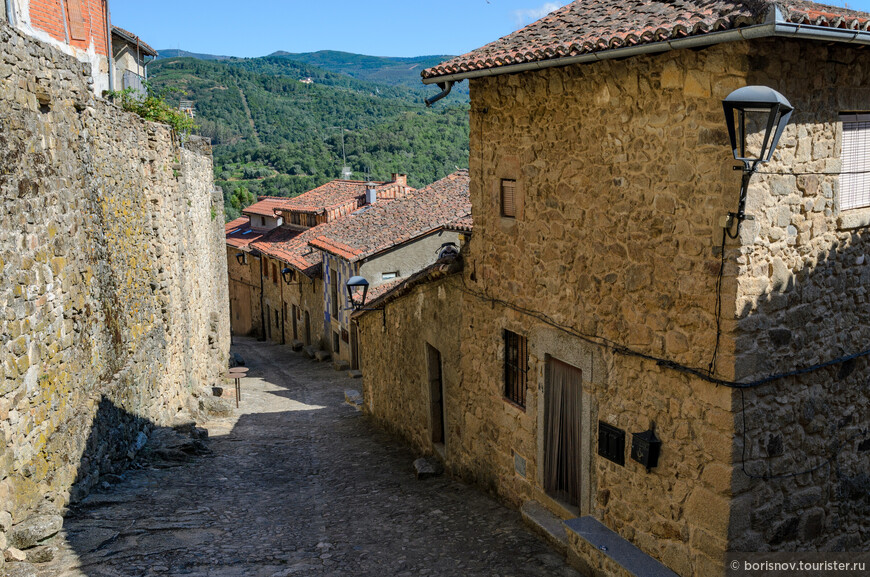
(340, 365)
(355, 374)
(321, 356)
(310, 351)
(427, 467)
(546, 524)
(297, 345)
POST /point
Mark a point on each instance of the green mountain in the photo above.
(380, 69)
(276, 135)
(177, 53)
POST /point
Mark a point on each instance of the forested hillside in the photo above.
(275, 135)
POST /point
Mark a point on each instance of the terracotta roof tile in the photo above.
(239, 233)
(291, 247)
(381, 226)
(339, 193)
(588, 26)
(393, 290)
(134, 40)
(265, 206)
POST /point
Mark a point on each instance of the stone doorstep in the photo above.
(322, 356)
(601, 547)
(353, 398)
(354, 374)
(297, 345)
(340, 365)
(545, 524)
(310, 351)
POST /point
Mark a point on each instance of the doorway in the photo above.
(268, 323)
(295, 311)
(307, 329)
(436, 395)
(354, 346)
(562, 422)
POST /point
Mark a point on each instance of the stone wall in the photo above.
(802, 300)
(395, 363)
(113, 289)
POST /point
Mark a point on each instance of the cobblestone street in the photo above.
(299, 483)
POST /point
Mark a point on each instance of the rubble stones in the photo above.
(30, 532)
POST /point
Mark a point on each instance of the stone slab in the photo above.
(340, 365)
(546, 524)
(599, 541)
(322, 356)
(354, 374)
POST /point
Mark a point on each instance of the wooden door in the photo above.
(436, 394)
(354, 346)
(241, 309)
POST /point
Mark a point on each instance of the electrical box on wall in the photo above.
(611, 443)
(645, 448)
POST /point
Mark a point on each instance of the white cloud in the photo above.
(523, 17)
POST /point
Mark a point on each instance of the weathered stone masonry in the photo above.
(113, 294)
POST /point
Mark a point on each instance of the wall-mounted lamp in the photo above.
(354, 283)
(358, 282)
(753, 107)
(240, 257)
(287, 273)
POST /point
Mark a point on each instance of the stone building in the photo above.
(384, 243)
(275, 277)
(79, 28)
(113, 287)
(129, 55)
(590, 308)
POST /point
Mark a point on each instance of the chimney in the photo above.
(371, 193)
(400, 179)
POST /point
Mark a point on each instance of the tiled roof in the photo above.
(589, 26)
(135, 40)
(239, 233)
(265, 206)
(463, 224)
(381, 226)
(291, 247)
(339, 193)
(378, 291)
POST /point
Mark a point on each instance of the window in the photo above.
(262, 221)
(274, 273)
(516, 368)
(336, 343)
(333, 291)
(276, 318)
(854, 183)
(509, 198)
(389, 275)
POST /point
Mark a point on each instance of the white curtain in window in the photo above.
(854, 181)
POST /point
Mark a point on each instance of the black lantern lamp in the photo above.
(240, 257)
(287, 273)
(354, 283)
(754, 108)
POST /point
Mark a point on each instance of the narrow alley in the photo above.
(299, 483)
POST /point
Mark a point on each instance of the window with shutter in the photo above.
(77, 24)
(516, 368)
(509, 198)
(854, 180)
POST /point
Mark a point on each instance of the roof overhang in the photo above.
(775, 27)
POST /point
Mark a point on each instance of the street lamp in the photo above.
(287, 273)
(240, 257)
(753, 108)
(354, 283)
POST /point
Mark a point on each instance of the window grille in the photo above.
(509, 198)
(854, 182)
(516, 367)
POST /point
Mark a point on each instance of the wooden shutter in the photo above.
(77, 24)
(509, 198)
(854, 182)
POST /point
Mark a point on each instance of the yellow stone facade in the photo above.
(623, 172)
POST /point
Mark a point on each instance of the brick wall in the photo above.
(79, 23)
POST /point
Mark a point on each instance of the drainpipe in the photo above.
(109, 57)
(445, 87)
(10, 13)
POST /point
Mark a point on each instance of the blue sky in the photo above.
(375, 27)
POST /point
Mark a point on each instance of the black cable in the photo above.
(813, 173)
(673, 365)
(711, 368)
